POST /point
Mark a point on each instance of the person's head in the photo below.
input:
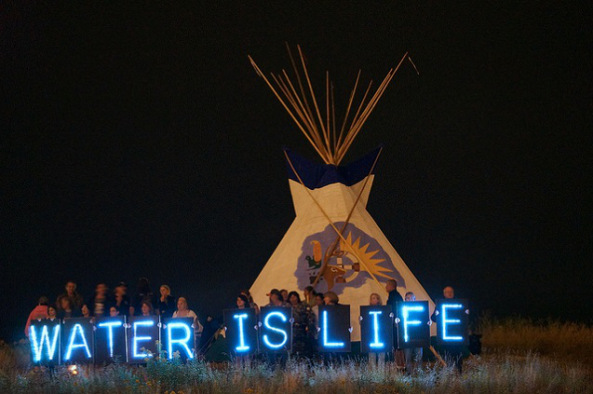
(448, 292)
(165, 290)
(294, 298)
(146, 308)
(410, 296)
(70, 287)
(121, 289)
(65, 304)
(284, 294)
(330, 298)
(143, 286)
(276, 299)
(308, 292)
(182, 304)
(113, 311)
(319, 299)
(43, 300)
(274, 292)
(375, 299)
(51, 311)
(86, 312)
(242, 301)
(390, 285)
(247, 294)
(101, 288)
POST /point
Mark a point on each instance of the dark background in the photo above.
(138, 141)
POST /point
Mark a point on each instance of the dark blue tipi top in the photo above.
(316, 175)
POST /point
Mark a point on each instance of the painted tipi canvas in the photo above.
(358, 264)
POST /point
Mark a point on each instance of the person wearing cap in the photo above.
(269, 295)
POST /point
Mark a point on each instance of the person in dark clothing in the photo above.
(166, 305)
(392, 300)
(452, 353)
(252, 303)
(413, 354)
(394, 296)
(121, 300)
(242, 301)
(448, 293)
(143, 294)
(210, 327)
(76, 300)
(303, 317)
(65, 310)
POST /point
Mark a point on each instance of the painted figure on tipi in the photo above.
(333, 244)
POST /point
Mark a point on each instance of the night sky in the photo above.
(138, 141)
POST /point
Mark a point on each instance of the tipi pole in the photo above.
(333, 247)
(258, 71)
(438, 356)
(351, 249)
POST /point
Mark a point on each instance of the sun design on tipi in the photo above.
(331, 264)
(365, 258)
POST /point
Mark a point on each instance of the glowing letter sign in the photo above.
(413, 324)
(276, 329)
(241, 347)
(376, 344)
(180, 337)
(145, 333)
(452, 320)
(110, 326)
(78, 340)
(50, 343)
(376, 329)
(110, 339)
(335, 328)
(240, 330)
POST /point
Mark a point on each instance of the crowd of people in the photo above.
(106, 303)
(144, 302)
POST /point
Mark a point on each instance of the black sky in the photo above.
(138, 141)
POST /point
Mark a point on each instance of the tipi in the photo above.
(333, 244)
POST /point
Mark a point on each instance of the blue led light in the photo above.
(38, 346)
(145, 323)
(326, 342)
(181, 341)
(110, 326)
(242, 347)
(450, 321)
(376, 344)
(77, 329)
(406, 314)
(269, 327)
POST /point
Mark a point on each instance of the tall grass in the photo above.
(509, 365)
(565, 341)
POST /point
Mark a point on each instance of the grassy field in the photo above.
(519, 357)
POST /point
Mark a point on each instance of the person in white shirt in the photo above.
(184, 311)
